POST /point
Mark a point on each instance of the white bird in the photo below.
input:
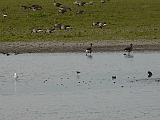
(15, 76)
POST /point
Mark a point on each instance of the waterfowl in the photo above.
(65, 8)
(50, 30)
(149, 73)
(91, 3)
(4, 15)
(62, 11)
(129, 49)
(81, 3)
(76, 2)
(36, 30)
(64, 27)
(79, 11)
(113, 77)
(36, 7)
(24, 7)
(57, 4)
(57, 25)
(103, 1)
(89, 50)
(95, 23)
(78, 72)
(102, 24)
(15, 76)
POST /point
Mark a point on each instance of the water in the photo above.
(48, 86)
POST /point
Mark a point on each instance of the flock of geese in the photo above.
(127, 49)
(89, 51)
(62, 10)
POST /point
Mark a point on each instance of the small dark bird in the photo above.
(149, 73)
(78, 72)
(89, 50)
(129, 49)
(113, 77)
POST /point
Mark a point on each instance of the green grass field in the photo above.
(126, 20)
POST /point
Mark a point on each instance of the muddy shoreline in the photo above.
(58, 47)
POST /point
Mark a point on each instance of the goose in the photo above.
(4, 15)
(79, 11)
(81, 3)
(24, 7)
(102, 24)
(103, 1)
(76, 2)
(65, 8)
(36, 30)
(95, 23)
(129, 49)
(57, 4)
(91, 3)
(57, 25)
(36, 7)
(49, 30)
(89, 50)
(62, 11)
(64, 27)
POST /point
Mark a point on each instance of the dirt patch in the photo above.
(98, 46)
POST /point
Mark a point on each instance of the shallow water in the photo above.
(48, 86)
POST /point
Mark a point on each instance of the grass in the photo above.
(126, 20)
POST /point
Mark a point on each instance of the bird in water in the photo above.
(129, 49)
(89, 50)
(149, 73)
(78, 72)
(15, 76)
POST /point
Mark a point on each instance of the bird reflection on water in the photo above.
(129, 56)
(89, 56)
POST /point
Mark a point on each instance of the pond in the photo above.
(110, 85)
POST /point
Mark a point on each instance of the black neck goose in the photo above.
(89, 50)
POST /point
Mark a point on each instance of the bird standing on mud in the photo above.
(129, 49)
(89, 50)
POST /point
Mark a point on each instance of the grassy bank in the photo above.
(126, 20)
